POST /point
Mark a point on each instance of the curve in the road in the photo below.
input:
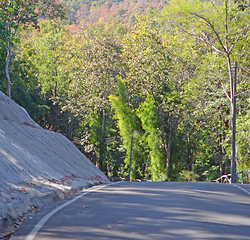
(41, 223)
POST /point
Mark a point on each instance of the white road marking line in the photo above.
(242, 189)
(41, 223)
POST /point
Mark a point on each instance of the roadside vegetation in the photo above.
(154, 73)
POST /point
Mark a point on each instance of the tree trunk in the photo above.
(190, 162)
(168, 152)
(55, 115)
(220, 155)
(103, 139)
(6, 70)
(99, 162)
(230, 75)
(233, 164)
(130, 158)
(233, 115)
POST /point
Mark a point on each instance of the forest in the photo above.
(149, 82)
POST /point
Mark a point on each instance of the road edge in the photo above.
(41, 223)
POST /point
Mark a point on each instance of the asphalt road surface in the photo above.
(146, 211)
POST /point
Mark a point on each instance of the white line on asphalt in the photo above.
(242, 189)
(40, 224)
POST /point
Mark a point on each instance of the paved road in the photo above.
(147, 211)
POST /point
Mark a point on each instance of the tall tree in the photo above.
(3, 48)
(20, 13)
(148, 114)
(148, 65)
(129, 126)
(93, 78)
(49, 58)
(217, 24)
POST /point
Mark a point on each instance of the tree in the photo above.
(3, 47)
(129, 126)
(242, 4)
(149, 73)
(220, 26)
(20, 13)
(95, 69)
(243, 138)
(96, 64)
(147, 60)
(49, 57)
(148, 114)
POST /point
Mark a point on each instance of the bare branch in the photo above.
(244, 70)
(210, 43)
(212, 27)
(226, 92)
(226, 23)
(236, 40)
(214, 6)
(238, 94)
(205, 39)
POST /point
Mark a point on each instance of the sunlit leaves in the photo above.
(215, 33)
(20, 14)
(129, 126)
(147, 59)
(97, 70)
(48, 57)
(148, 114)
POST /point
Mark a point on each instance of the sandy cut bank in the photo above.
(37, 166)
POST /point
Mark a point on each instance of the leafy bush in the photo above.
(188, 176)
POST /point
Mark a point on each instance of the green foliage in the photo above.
(49, 59)
(3, 49)
(188, 176)
(94, 66)
(147, 59)
(242, 4)
(129, 125)
(243, 140)
(211, 47)
(165, 80)
(45, 54)
(96, 69)
(147, 113)
(25, 88)
(25, 91)
(20, 14)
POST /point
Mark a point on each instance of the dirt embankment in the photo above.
(37, 166)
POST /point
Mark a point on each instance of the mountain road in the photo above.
(146, 211)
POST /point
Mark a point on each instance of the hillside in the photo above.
(122, 11)
(37, 166)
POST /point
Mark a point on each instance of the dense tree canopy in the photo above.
(21, 13)
(162, 80)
